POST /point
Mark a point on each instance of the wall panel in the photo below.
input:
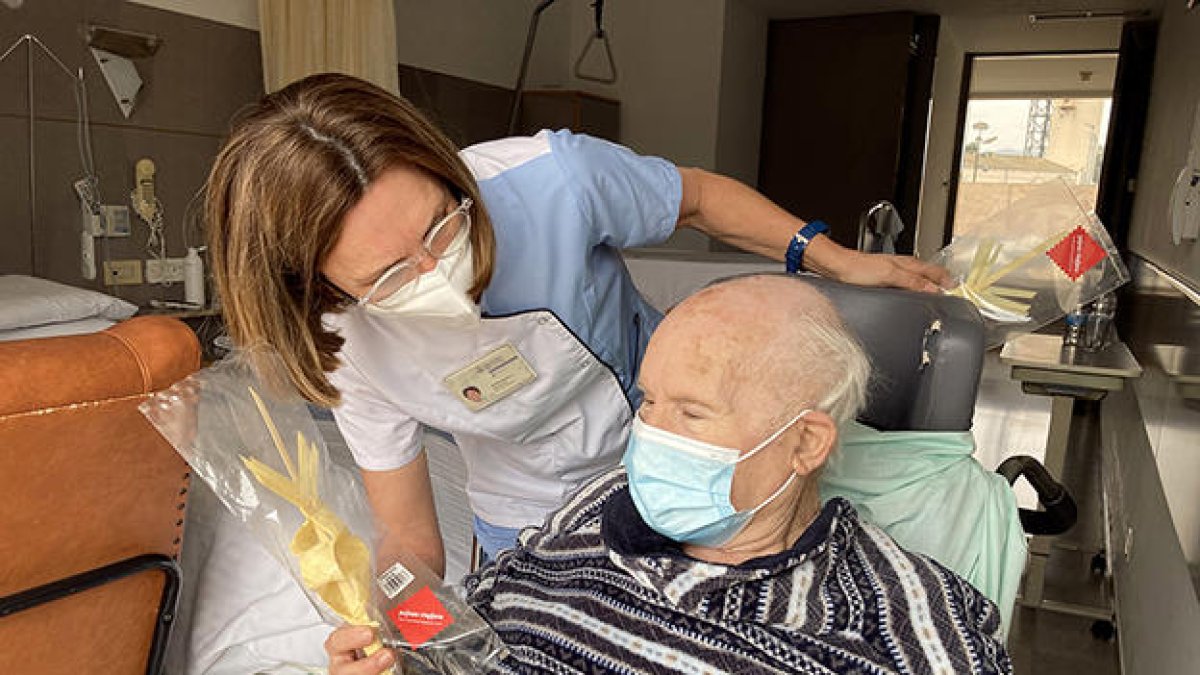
(202, 74)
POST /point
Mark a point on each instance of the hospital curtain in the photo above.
(302, 37)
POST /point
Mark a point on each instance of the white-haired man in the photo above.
(709, 550)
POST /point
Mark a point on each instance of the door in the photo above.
(845, 115)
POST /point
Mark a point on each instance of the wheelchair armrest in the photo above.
(1060, 512)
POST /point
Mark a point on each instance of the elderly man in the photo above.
(709, 551)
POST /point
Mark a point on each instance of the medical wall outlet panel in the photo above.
(122, 272)
(1184, 208)
(93, 223)
(87, 255)
(90, 227)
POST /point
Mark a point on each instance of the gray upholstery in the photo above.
(909, 392)
(892, 325)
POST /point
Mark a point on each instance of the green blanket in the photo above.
(927, 491)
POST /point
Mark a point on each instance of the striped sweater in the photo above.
(597, 591)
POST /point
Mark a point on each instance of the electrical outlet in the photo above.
(116, 220)
(122, 272)
(164, 271)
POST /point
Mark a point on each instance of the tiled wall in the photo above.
(201, 75)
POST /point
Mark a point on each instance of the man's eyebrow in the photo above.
(688, 400)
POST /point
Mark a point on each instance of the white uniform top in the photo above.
(560, 296)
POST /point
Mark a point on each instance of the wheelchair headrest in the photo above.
(926, 350)
(926, 354)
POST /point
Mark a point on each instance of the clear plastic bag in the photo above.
(245, 433)
(1031, 263)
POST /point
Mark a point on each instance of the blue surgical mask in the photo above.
(681, 487)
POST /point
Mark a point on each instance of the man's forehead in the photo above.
(729, 335)
(699, 359)
(726, 324)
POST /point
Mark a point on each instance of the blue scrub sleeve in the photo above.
(628, 199)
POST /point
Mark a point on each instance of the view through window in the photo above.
(1030, 120)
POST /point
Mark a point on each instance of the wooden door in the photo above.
(845, 117)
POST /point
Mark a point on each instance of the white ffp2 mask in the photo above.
(439, 295)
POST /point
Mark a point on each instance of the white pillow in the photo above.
(29, 301)
(88, 325)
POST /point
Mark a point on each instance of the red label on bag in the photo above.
(420, 617)
(1076, 253)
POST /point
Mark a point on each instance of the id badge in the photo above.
(491, 378)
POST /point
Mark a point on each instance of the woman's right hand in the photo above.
(343, 646)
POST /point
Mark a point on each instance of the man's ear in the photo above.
(817, 438)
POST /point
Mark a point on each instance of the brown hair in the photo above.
(293, 166)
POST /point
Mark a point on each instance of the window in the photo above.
(1031, 119)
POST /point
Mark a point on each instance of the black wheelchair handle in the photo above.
(1060, 511)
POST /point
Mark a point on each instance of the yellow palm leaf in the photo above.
(334, 563)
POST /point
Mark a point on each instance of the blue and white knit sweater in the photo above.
(597, 591)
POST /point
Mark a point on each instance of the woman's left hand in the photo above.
(875, 269)
(735, 213)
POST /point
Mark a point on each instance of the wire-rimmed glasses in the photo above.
(447, 237)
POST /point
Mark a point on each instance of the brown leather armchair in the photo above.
(91, 499)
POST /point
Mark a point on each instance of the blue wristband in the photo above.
(795, 251)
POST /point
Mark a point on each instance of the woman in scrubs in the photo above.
(409, 285)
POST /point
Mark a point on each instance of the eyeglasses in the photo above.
(447, 237)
